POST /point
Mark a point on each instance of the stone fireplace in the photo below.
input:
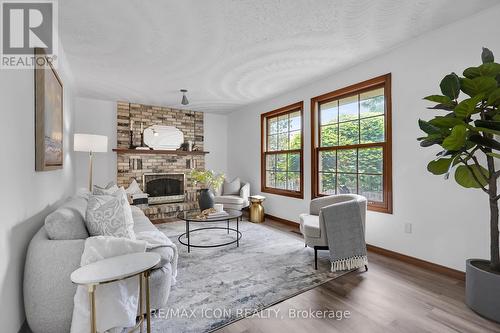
(162, 174)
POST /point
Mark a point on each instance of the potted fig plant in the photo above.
(209, 181)
(465, 130)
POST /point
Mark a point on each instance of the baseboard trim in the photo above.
(282, 221)
(450, 272)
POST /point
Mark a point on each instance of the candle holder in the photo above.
(131, 135)
(131, 140)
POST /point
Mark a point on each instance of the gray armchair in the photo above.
(313, 225)
(235, 201)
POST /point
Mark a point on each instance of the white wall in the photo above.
(26, 196)
(94, 116)
(215, 128)
(450, 223)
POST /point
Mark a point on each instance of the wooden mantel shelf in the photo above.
(158, 152)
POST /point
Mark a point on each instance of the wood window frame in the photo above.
(355, 89)
(299, 106)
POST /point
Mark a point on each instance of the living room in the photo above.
(248, 166)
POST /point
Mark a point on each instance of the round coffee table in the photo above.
(191, 216)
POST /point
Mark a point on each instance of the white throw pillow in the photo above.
(232, 188)
(133, 188)
(110, 215)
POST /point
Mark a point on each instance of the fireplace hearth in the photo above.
(164, 187)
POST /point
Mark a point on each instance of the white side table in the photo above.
(116, 269)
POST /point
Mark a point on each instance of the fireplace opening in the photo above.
(164, 187)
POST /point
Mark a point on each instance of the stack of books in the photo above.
(217, 214)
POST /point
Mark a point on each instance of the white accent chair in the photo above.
(233, 201)
(313, 225)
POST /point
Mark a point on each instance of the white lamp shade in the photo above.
(90, 143)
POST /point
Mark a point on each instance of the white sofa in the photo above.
(48, 290)
(233, 201)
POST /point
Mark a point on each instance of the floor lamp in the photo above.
(90, 143)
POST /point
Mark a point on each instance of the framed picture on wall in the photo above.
(49, 130)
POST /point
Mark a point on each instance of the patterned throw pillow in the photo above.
(107, 190)
(110, 215)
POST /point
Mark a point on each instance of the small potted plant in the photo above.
(209, 181)
(465, 130)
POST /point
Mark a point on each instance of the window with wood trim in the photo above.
(282, 151)
(351, 142)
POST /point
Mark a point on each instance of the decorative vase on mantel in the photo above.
(206, 199)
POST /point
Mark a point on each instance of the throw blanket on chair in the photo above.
(346, 235)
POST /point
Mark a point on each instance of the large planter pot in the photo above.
(206, 199)
(482, 289)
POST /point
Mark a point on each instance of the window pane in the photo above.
(328, 112)
(283, 123)
(272, 142)
(295, 140)
(371, 187)
(270, 179)
(348, 108)
(327, 161)
(370, 160)
(281, 180)
(270, 162)
(327, 183)
(283, 141)
(372, 130)
(329, 136)
(293, 162)
(349, 133)
(295, 123)
(293, 181)
(346, 183)
(371, 103)
(347, 160)
(272, 125)
(284, 133)
(281, 162)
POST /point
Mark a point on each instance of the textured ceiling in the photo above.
(232, 53)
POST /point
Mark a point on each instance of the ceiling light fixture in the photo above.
(184, 98)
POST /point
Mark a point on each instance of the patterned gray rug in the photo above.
(216, 286)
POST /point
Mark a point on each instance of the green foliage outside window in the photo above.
(369, 129)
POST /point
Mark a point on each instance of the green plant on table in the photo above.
(207, 178)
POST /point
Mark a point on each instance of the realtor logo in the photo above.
(26, 26)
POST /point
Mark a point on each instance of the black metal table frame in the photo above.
(188, 232)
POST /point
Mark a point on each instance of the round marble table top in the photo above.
(115, 268)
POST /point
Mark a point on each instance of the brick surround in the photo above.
(189, 122)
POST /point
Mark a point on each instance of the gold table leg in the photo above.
(91, 289)
(148, 305)
(141, 312)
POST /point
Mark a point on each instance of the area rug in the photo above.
(216, 286)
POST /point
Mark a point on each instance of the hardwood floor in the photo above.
(392, 296)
